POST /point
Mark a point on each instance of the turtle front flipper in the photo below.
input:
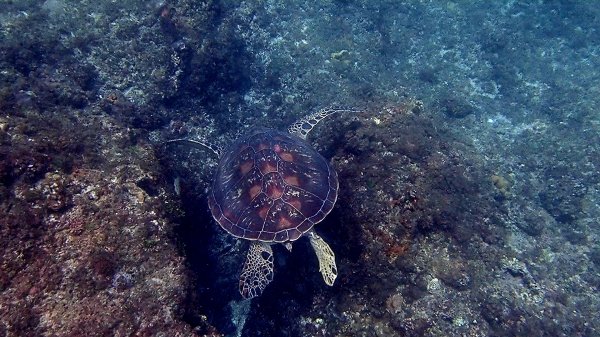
(326, 258)
(303, 127)
(202, 144)
(258, 270)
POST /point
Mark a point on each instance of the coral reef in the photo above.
(85, 239)
(469, 181)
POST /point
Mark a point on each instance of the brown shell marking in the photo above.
(272, 186)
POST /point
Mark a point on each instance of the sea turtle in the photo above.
(273, 187)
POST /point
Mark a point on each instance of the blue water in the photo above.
(468, 169)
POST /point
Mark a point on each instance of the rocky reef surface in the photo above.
(469, 178)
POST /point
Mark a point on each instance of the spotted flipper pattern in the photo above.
(326, 258)
(258, 270)
(303, 127)
(199, 144)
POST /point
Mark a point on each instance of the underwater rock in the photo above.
(94, 240)
(87, 234)
(456, 108)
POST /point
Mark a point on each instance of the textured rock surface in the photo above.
(469, 184)
(86, 247)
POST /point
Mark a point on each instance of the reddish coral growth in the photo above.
(403, 181)
(85, 242)
(396, 250)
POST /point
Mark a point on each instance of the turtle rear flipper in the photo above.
(326, 258)
(258, 270)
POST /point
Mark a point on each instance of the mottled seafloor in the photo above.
(469, 180)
